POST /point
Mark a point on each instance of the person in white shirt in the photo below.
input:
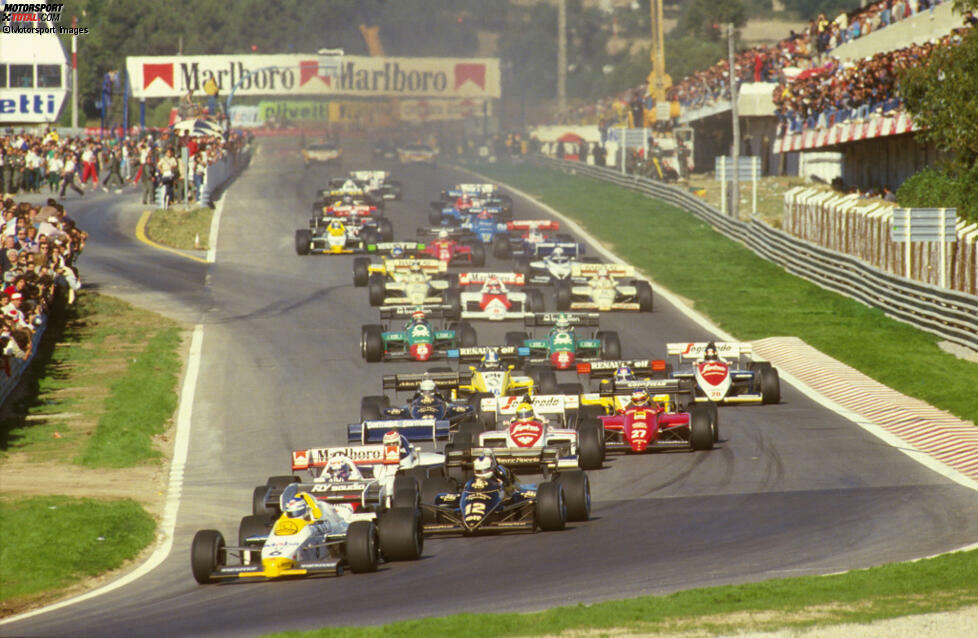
(68, 176)
(54, 168)
(88, 166)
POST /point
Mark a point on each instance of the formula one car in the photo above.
(311, 537)
(322, 153)
(426, 403)
(525, 238)
(525, 440)
(418, 340)
(601, 291)
(552, 265)
(466, 211)
(340, 188)
(378, 182)
(355, 212)
(483, 192)
(396, 259)
(717, 379)
(417, 154)
(492, 501)
(496, 373)
(408, 282)
(454, 247)
(563, 347)
(365, 477)
(335, 238)
(495, 301)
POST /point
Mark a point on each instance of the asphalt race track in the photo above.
(791, 489)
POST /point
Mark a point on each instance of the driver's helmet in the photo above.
(336, 225)
(296, 507)
(442, 234)
(484, 214)
(347, 200)
(338, 469)
(490, 361)
(524, 412)
(562, 322)
(710, 352)
(427, 388)
(417, 315)
(416, 268)
(558, 256)
(397, 252)
(624, 373)
(484, 467)
(394, 439)
(535, 236)
(493, 285)
(640, 397)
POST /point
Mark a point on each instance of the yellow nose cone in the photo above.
(274, 567)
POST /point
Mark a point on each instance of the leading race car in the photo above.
(418, 340)
(311, 537)
(563, 347)
(601, 291)
(322, 153)
(492, 501)
(495, 301)
(417, 154)
(724, 373)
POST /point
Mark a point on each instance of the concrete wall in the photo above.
(919, 28)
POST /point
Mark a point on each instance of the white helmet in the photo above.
(483, 467)
(442, 234)
(427, 387)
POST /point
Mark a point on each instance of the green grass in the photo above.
(139, 406)
(748, 296)
(938, 584)
(178, 228)
(90, 537)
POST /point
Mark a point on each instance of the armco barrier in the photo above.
(221, 171)
(9, 380)
(949, 314)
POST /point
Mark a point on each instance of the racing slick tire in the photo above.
(372, 407)
(281, 482)
(465, 334)
(711, 408)
(361, 271)
(362, 547)
(516, 338)
(434, 217)
(370, 236)
(478, 254)
(205, 554)
(770, 385)
(570, 388)
(610, 345)
(521, 266)
(550, 513)
(471, 430)
(396, 189)
(534, 301)
(254, 525)
(258, 506)
(643, 294)
(500, 246)
(385, 228)
(376, 291)
(453, 300)
(399, 530)
(303, 237)
(372, 343)
(431, 488)
(544, 380)
(590, 444)
(700, 428)
(406, 492)
(487, 419)
(577, 494)
(562, 295)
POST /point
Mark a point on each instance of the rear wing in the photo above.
(409, 382)
(533, 224)
(387, 247)
(453, 233)
(412, 429)
(402, 312)
(571, 249)
(360, 455)
(653, 386)
(475, 353)
(588, 319)
(478, 278)
(605, 369)
(592, 270)
(370, 176)
(542, 403)
(470, 189)
(428, 266)
(695, 350)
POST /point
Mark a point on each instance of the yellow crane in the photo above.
(659, 80)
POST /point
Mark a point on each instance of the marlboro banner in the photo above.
(174, 76)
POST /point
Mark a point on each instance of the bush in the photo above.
(937, 189)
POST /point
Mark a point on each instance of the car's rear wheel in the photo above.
(577, 494)
(535, 301)
(516, 339)
(385, 228)
(521, 266)
(465, 334)
(254, 525)
(361, 271)
(550, 510)
(372, 407)
(478, 254)
(434, 217)
(453, 300)
(643, 293)
(700, 428)
(431, 488)
(562, 295)
(544, 380)
(376, 291)
(303, 238)
(610, 345)
(406, 492)
(770, 385)
(486, 419)
(206, 553)
(500, 246)
(400, 534)
(362, 548)
(590, 444)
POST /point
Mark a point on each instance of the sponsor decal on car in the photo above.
(526, 433)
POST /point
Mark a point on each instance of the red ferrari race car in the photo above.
(454, 247)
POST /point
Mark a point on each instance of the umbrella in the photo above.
(198, 127)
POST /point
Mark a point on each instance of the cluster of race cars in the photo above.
(496, 412)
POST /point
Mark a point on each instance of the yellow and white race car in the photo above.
(335, 238)
(322, 153)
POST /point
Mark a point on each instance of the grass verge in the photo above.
(179, 228)
(746, 295)
(90, 537)
(943, 583)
